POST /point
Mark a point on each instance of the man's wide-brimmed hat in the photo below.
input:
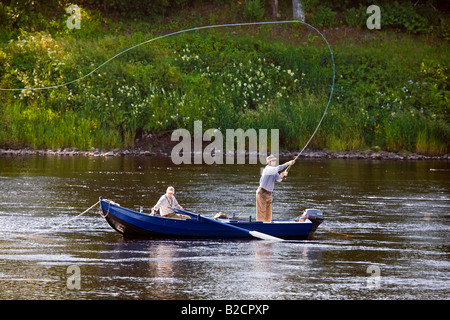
(170, 190)
(270, 158)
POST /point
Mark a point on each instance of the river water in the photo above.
(397, 214)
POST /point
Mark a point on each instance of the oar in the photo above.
(253, 233)
(342, 234)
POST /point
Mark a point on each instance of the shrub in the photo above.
(323, 17)
(35, 60)
(403, 16)
(355, 17)
(253, 10)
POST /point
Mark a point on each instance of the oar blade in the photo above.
(264, 236)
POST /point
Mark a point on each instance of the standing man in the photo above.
(266, 185)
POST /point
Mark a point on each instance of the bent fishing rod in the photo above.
(320, 122)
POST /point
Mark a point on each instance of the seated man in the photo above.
(166, 204)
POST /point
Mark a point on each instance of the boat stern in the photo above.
(316, 218)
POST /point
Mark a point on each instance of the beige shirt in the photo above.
(166, 204)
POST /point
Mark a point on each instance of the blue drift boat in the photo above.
(133, 223)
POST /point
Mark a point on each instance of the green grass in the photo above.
(391, 89)
(39, 128)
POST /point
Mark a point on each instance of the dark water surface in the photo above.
(397, 212)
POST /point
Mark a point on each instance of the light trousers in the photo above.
(263, 205)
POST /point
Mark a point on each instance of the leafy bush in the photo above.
(253, 10)
(443, 29)
(35, 60)
(416, 17)
(404, 16)
(323, 17)
(356, 17)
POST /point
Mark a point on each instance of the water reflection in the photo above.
(397, 213)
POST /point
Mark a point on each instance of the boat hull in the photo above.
(136, 224)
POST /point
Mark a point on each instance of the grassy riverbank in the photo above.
(391, 89)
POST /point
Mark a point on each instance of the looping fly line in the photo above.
(194, 29)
